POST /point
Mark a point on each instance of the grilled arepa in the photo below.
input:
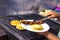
(14, 22)
(36, 27)
(19, 27)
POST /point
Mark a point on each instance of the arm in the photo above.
(58, 15)
(49, 36)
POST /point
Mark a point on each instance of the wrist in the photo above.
(46, 34)
(58, 14)
(51, 36)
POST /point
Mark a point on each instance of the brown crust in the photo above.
(29, 22)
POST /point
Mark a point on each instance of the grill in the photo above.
(9, 7)
(27, 35)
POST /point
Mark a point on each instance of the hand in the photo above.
(49, 35)
(43, 33)
(52, 14)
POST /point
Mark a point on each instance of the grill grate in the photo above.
(27, 35)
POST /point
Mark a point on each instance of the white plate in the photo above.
(44, 25)
(30, 20)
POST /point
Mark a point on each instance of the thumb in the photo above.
(52, 16)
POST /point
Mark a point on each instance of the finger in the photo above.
(52, 16)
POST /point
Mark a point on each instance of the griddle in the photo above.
(27, 35)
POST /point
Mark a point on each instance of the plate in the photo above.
(44, 25)
(30, 20)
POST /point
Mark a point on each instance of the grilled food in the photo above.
(17, 23)
(14, 22)
(19, 27)
(31, 22)
(26, 22)
(36, 27)
(44, 13)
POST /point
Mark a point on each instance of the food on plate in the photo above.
(44, 13)
(31, 22)
(38, 21)
(36, 27)
(26, 22)
(14, 22)
(19, 27)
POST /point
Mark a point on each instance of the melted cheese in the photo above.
(36, 27)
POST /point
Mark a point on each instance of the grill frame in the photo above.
(21, 35)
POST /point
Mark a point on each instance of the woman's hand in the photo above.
(49, 35)
(43, 33)
(52, 14)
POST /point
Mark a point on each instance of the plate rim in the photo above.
(35, 30)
